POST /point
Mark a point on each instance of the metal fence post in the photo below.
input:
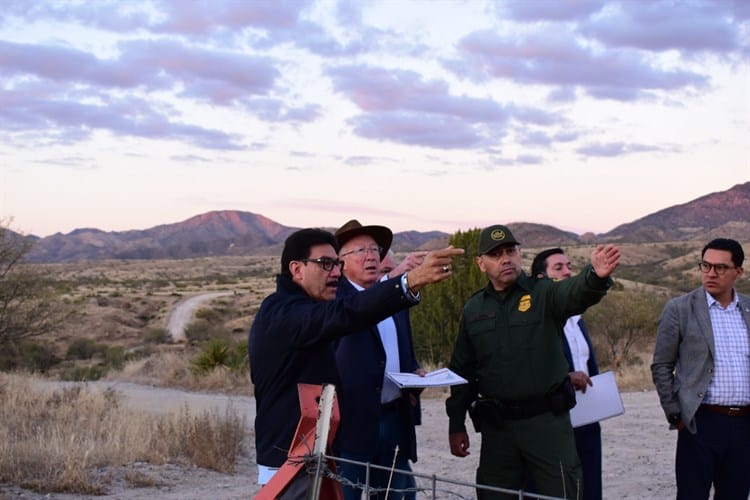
(322, 430)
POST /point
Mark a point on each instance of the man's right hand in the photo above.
(435, 267)
(459, 442)
(410, 262)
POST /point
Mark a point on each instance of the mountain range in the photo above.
(231, 232)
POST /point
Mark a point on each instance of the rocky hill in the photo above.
(726, 213)
(231, 232)
(227, 232)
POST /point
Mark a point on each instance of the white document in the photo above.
(600, 401)
(438, 378)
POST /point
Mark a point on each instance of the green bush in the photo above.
(221, 352)
(210, 315)
(83, 373)
(114, 357)
(28, 356)
(201, 330)
(82, 349)
(157, 336)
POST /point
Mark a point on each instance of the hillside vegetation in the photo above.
(118, 310)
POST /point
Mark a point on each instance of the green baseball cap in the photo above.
(494, 236)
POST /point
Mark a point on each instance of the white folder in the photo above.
(600, 401)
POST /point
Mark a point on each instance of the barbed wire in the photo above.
(315, 467)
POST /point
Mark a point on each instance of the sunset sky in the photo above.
(435, 115)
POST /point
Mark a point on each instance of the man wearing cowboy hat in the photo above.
(377, 418)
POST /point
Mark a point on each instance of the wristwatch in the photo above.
(673, 418)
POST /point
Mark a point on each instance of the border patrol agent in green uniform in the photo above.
(509, 348)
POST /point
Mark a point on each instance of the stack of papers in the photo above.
(599, 402)
(438, 378)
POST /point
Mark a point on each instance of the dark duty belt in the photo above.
(729, 411)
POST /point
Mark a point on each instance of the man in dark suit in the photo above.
(701, 369)
(579, 352)
(377, 418)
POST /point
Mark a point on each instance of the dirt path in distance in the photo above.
(183, 312)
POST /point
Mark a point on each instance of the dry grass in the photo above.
(52, 440)
(173, 369)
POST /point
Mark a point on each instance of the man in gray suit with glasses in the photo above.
(701, 369)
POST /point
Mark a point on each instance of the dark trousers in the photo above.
(540, 447)
(589, 447)
(718, 454)
(389, 439)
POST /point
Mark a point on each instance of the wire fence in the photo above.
(314, 435)
(424, 486)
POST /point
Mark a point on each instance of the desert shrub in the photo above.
(225, 280)
(201, 330)
(114, 357)
(82, 349)
(83, 373)
(29, 298)
(177, 369)
(147, 313)
(157, 336)
(221, 353)
(211, 315)
(27, 356)
(622, 324)
(208, 440)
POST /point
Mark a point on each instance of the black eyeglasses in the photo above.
(326, 263)
(720, 269)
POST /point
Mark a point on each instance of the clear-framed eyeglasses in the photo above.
(360, 251)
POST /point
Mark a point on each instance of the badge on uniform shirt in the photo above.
(524, 304)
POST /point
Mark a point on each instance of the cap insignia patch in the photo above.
(498, 235)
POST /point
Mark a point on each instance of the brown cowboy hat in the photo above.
(381, 234)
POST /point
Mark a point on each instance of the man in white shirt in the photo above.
(553, 263)
(377, 417)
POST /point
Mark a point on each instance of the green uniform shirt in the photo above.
(509, 344)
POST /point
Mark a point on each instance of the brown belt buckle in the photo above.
(734, 411)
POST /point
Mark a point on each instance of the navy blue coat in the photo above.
(290, 342)
(360, 359)
(588, 437)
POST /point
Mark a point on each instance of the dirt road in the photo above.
(183, 312)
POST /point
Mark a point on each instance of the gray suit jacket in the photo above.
(683, 361)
